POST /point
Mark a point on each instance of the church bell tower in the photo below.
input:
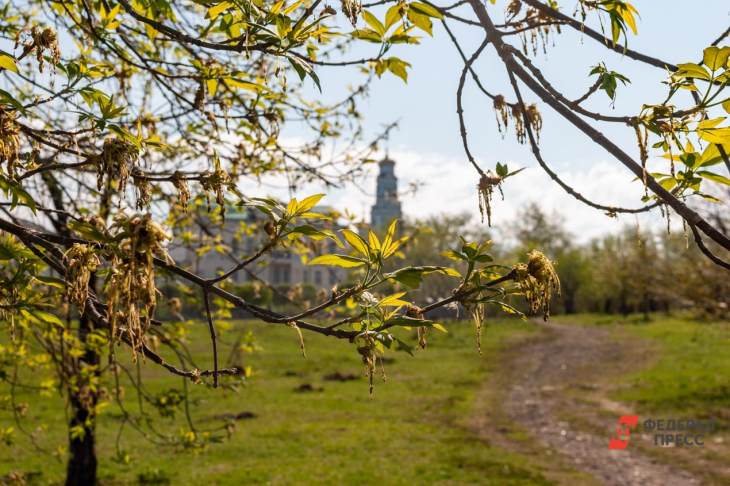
(387, 205)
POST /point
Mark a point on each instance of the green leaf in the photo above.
(216, 10)
(393, 15)
(726, 105)
(710, 156)
(691, 70)
(247, 85)
(345, 261)
(393, 300)
(308, 203)
(715, 58)
(313, 233)
(454, 255)
(303, 68)
(356, 242)
(426, 10)
(373, 22)
(48, 317)
(501, 169)
(714, 177)
(367, 35)
(7, 98)
(421, 21)
(408, 321)
(373, 239)
(398, 67)
(412, 276)
(388, 240)
(8, 62)
(51, 281)
(627, 12)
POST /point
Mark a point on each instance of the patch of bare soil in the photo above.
(554, 405)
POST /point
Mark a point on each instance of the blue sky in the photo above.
(427, 146)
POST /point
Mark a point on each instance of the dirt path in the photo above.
(552, 391)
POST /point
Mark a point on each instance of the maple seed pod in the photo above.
(513, 9)
(417, 313)
(501, 112)
(534, 119)
(42, 41)
(183, 192)
(351, 9)
(116, 162)
(81, 262)
(131, 290)
(270, 228)
(9, 141)
(538, 281)
(487, 182)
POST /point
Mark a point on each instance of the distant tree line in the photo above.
(637, 270)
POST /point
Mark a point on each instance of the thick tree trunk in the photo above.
(82, 464)
(81, 470)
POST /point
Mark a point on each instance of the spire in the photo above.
(387, 206)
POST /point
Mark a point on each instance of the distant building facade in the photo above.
(230, 243)
(280, 267)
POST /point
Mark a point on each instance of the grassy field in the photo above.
(414, 429)
(417, 428)
(688, 372)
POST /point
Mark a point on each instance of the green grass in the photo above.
(413, 430)
(688, 370)
(691, 371)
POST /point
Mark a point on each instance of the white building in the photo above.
(231, 243)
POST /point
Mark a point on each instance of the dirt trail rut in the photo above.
(550, 391)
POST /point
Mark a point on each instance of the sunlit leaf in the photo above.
(356, 242)
(344, 261)
(8, 62)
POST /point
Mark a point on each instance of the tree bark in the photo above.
(82, 462)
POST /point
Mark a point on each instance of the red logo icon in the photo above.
(623, 431)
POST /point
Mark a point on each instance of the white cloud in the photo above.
(449, 186)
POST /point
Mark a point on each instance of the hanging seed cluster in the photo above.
(513, 9)
(131, 287)
(44, 41)
(642, 140)
(81, 261)
(538, 26)
(478, 314)
(351, 9)
(487, 182)
(538, 281)
(183, 192)
(504, 112)
(144, 191)
(116, 162)
(530, 116)
(216, 182)
(9, 141)
(368, 352)
(417, 313)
